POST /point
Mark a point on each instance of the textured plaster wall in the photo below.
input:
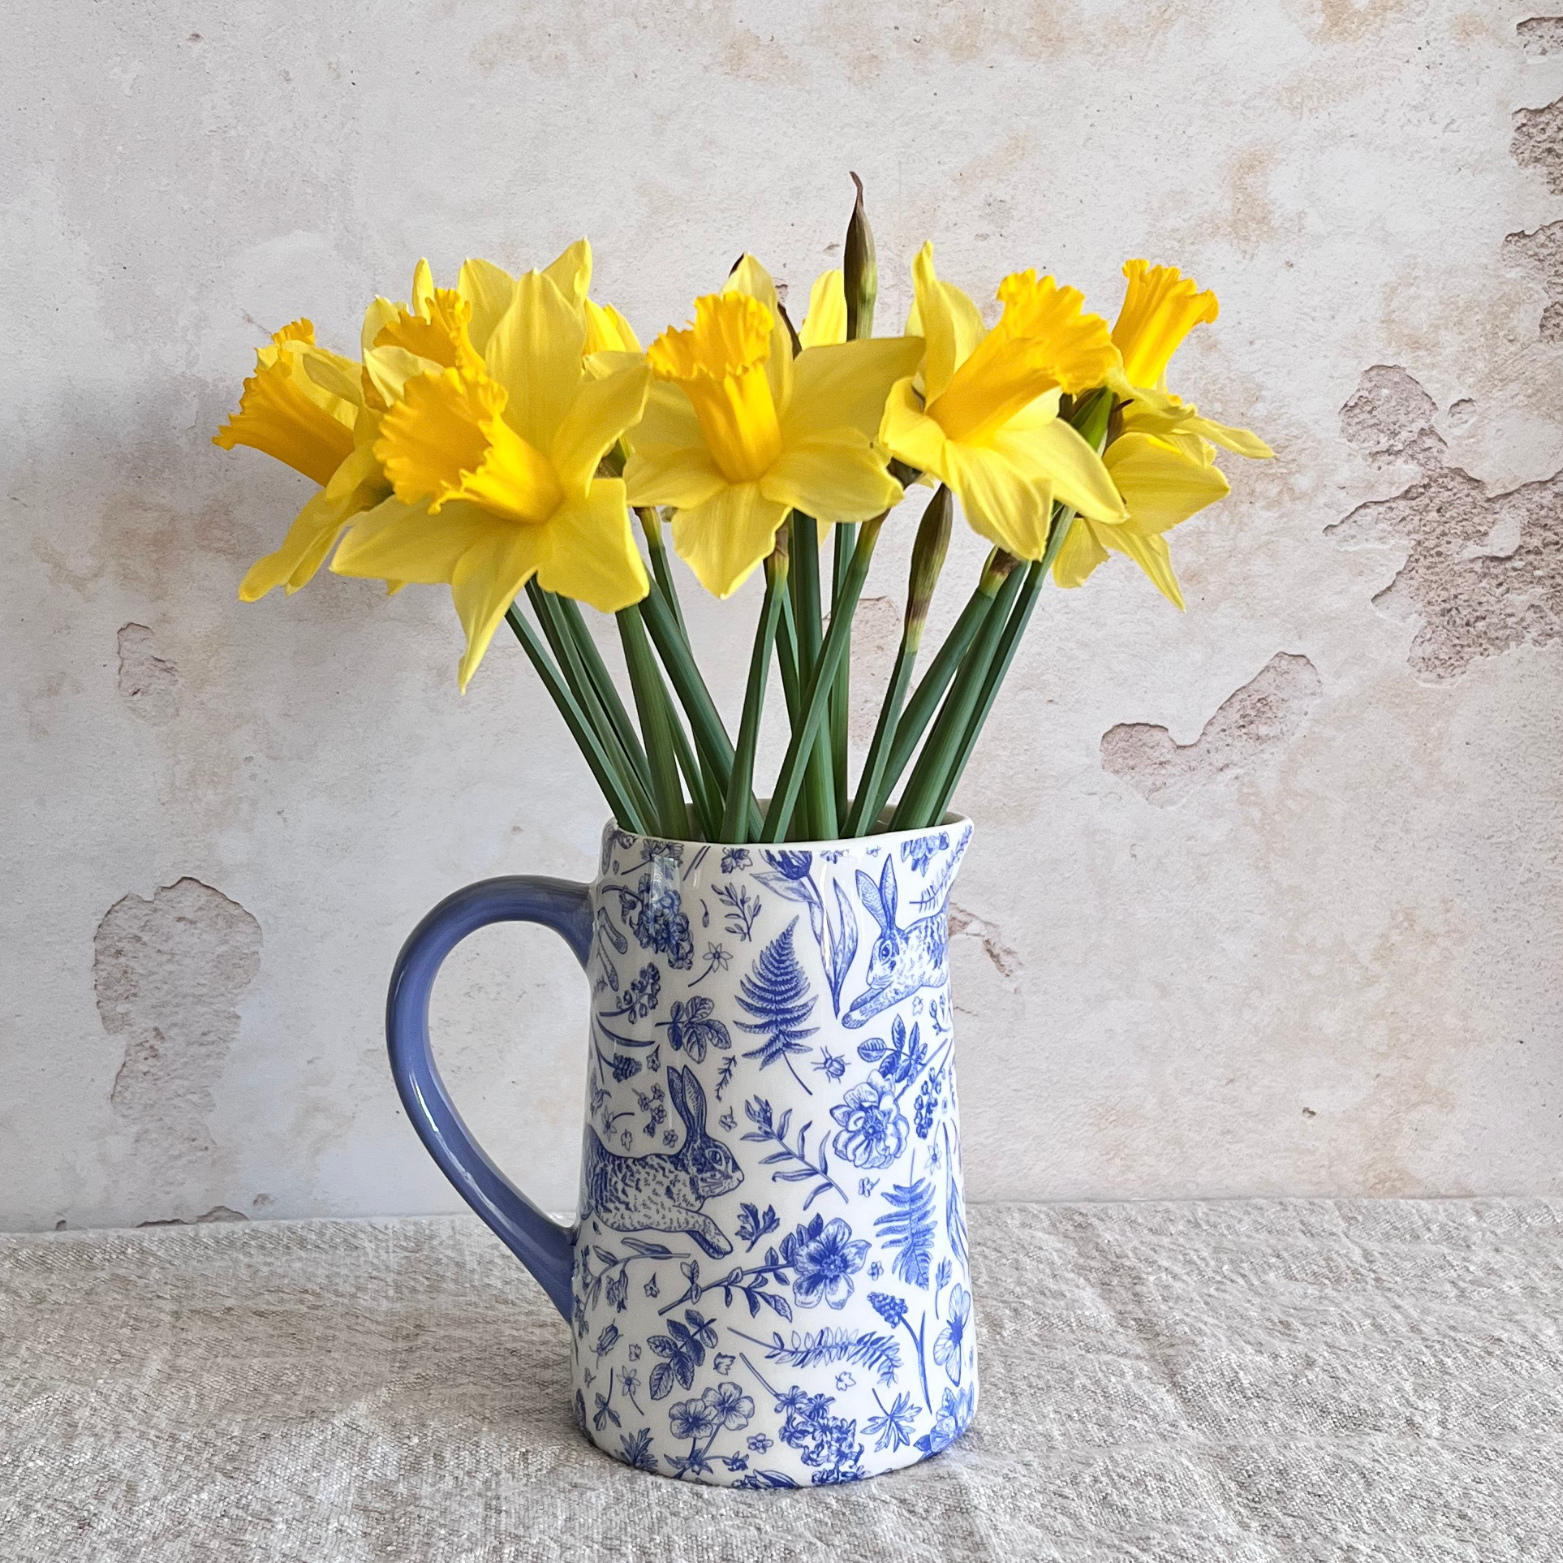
(1264, 899)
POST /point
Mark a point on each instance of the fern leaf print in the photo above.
(907, 1229)
(776, 992)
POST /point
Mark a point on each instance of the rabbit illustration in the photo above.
(660, 1193)
(901, 960)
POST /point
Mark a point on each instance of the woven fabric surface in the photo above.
(1238, 1380)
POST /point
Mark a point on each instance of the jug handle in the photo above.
(545, 1247)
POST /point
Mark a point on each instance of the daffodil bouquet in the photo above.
(509, 437)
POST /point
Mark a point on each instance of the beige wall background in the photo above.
(1264, 898)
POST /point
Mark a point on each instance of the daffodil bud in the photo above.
(859, 271)
(779, 558)
(996, 571)
(928, 551)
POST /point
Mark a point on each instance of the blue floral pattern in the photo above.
(771, 1282)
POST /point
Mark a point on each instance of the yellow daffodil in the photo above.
(1163, 460)
(985, 420)
(491, 441)
(304, 406)
(737, 431)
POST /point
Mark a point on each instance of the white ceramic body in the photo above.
(771, 1285)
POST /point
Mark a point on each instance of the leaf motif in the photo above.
(661, 1381)
(907, 1229)
(778, 1304)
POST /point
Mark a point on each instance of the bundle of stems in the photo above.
(681, 774)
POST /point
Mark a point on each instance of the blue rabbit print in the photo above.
(772, 1287)
(901, 960)
(664, 1193)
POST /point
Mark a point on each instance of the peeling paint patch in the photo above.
(1006, 961)
(1541, 35)
(1538, 142)
(218, 1213)
(1390, 419)
(1483, 573)
(168, 973)
(1542, 251)
(148, 684)
(1251, 725)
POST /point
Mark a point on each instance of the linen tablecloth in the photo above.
(1233, 1380)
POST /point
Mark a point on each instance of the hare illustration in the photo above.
(661, 1193)
(901, 960)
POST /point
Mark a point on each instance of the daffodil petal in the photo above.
(1160, 486)
(400, 541)
(488, 289)
(910, 434)
(390, 368)
(750, 277)
(1080, 554)
(572, 272)
(681, 475)
(315, 528)
(591, 553)
(607, 330)
(1053, 452)
(669, 418)
(535, 353)
(723, 539)
(835, 476)
(1002, 502)
(847, 384)
(1151, 554)
(946, 318)
(1241, 442)
(485, 582)
(376, 318)
(601, 412)
(826, 322)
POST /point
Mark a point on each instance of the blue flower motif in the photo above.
(637, 1450)
(947, 1348)
(791, 865)
(729, 1407)
(919, 852)
(734, 858)
(759, 1443)
(660, 923)
(892, 1429)
(891, 1309)
(949, 1421)
(692, 1418)
(873, 1127)
(824, 1257)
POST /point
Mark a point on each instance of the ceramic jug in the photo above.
(766, 1283)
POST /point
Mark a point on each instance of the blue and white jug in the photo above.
(767, 1282)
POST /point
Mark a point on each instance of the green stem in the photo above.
(787, 659)
(841, 694)
(735, 816)
(707, 804)
(661, 569)
(651, 702)
(602, 683)
(884, 731)
(818, 807)
(815, 701)
(628, 761)
(925, 783)
(930, 689)
(590, 745)
(1020, 617)
(715, 747)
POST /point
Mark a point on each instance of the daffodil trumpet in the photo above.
(509, 439)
